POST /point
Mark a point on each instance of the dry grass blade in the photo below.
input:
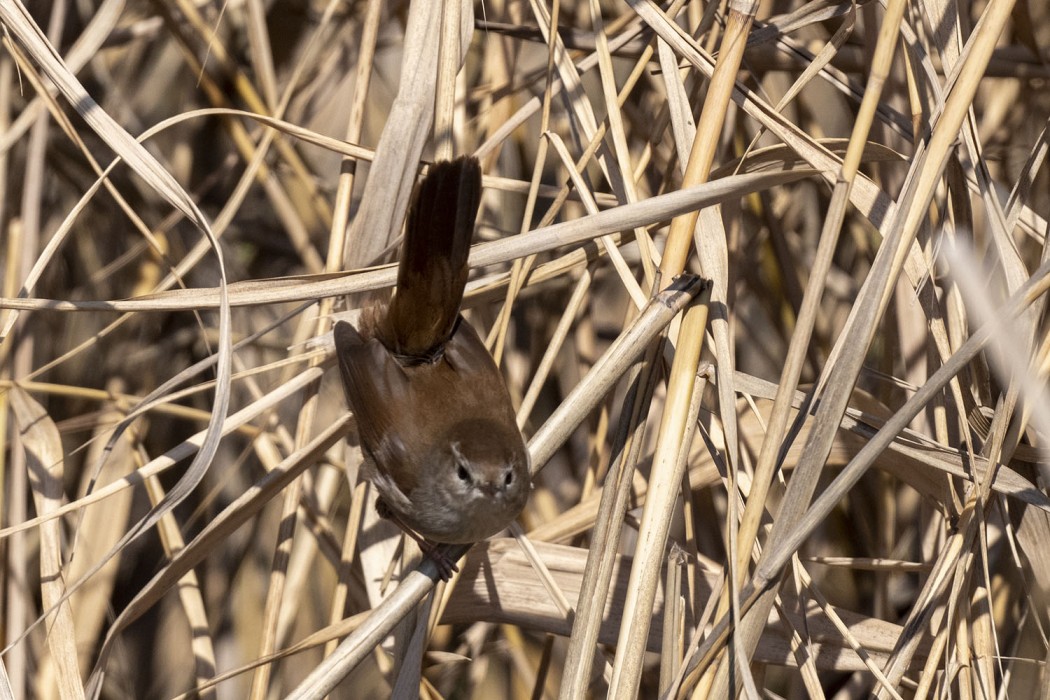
(667, 469)
(869, 309)
(606, 530)
(751, 519)
(238, 512)
(177, 453)
(17, 20)
(106, 522)
(390, 183)
(43, 448)
(649, 211)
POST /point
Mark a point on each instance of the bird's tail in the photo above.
(433, 268)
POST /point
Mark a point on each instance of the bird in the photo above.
(435, 419)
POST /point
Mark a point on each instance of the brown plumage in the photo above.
(434, 416)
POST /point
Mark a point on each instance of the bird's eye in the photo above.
(463, 474)
(509, 478)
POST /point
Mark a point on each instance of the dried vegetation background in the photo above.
(835, 454)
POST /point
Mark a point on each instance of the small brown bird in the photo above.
(434, 416)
